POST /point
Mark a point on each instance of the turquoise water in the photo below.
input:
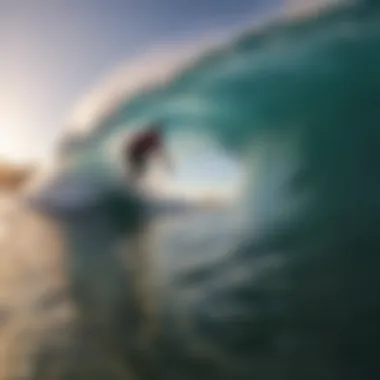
(282, 284)
(288, 79)
(288, 289)
(271, 78)
(293, 88)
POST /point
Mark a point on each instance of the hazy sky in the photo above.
(54, 51)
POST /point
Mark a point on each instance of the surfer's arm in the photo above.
(166, 158)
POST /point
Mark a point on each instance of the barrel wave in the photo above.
(291, 291)
(281, 284)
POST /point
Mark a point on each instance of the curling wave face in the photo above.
(284, 283)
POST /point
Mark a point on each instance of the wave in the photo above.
(250, 81)
(270, 288)
(285, 80)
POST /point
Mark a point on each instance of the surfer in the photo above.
(141, 147)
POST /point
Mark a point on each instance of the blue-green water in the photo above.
(285, 101)
(271, 78)
(288, 289)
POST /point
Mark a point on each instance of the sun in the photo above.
(13, 146)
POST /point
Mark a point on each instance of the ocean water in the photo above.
(261, 79)
(283, 283)
(274, 295)
(289, 291)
